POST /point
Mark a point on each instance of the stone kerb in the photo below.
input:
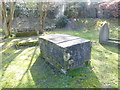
(25, 32)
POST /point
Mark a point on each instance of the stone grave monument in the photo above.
(65, 52)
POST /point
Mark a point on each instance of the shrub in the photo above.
(52, 10)
(62, 22)
(111, 8)
(72, 10)
(18, 10)
(50, 28)
(51, 14)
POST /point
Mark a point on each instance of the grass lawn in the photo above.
(23, 68)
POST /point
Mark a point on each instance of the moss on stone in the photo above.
(24, 34)
(29, 44)
(54, 63)
(87, 63)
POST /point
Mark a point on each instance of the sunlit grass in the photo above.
(104, 60)
(14, 68)
(1, 31)
(23, 68)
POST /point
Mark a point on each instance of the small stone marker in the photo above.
(64, 51)
(104, 33)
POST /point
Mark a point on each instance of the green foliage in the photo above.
(71, 11)
(51, 13)
(18, 11)
(62, 22)
(74, 9)
(1, 31)
(50, 28)
(24, 9)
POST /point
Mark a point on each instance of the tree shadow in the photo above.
(6, 42)
(29, 66)
(46, 76)
(8, 58)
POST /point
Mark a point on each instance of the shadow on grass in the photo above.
(45, 76)
(29, 66)
(114, 49)
(8, 58)
(6, 42)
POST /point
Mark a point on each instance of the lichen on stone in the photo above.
(71, 61)
(66, 56)
(64, 71)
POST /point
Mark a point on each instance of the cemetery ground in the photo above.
(23, 68)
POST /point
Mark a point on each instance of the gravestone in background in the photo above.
(104, 33)
(104, 36)
(65, 52)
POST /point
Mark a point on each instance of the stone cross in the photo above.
(104, 33)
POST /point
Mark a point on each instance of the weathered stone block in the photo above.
(64, 51)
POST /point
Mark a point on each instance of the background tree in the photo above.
(4, 19)
(0, 15)
(7, 18)
(43, 7)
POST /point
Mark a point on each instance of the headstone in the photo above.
(65, 52)
(104, 33)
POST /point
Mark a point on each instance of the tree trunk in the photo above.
(12, 9)
(7, 19)
(1, 15)
(41, 18)
(43, 6)
(4, 26)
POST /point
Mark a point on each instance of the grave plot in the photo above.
(24, 27)
(25, 32)
(65, 52)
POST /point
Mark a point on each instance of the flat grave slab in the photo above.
(65, 52)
